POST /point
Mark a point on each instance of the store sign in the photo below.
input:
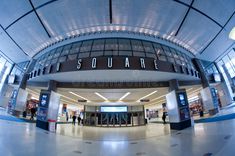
(126, 63)
(114, 63)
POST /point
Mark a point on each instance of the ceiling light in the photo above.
(79, 96)
(156, 103)
(232, 34)
(147, 95)
(158, 97)
(101, 96)
(67, 97)
(124, 96)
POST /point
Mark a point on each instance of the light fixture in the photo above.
(158, 97)
(124, 96)
(147, 95)
(156, 103)
(101, 96)
(79, 96)
(232, 34)
(68, 98)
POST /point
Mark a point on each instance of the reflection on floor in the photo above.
(113, 133)
(24, 139)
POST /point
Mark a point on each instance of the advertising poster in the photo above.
(44, 100)
(42, 114)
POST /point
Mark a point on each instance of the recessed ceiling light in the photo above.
(79, 96)
(232, 34)
(101, 96)
(68, 98)
(124, 96)
(147, 95)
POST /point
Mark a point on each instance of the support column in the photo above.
(48, 107)
(19, 94)
(225, 93)
(204, 79)
(177, 106)
(208, 93)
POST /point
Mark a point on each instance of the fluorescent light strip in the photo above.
(188, 89)
(147, 95)
(124, 96)
(66, 101)
(68, 98)
(159, 102)
(79, 96)
(101, 96)
(158, 97)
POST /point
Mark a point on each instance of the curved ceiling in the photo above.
(201, 27)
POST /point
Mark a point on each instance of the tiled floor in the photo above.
(24, 139)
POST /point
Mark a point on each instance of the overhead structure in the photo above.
(28, 27)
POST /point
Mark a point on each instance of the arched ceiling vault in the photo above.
(201, 27)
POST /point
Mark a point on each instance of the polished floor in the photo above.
(24, 139)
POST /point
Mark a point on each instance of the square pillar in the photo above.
(48, 107)
(210, 100)
(178, 109)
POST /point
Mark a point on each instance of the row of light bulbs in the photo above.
(75, 34)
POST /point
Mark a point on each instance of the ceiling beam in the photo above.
(44, 27)
(110, 12)
(202, 13)
(182, 22)
(218, 33)
(18, 19)
(14, 40)
(44, 4)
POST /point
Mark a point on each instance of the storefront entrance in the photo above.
(114, 119)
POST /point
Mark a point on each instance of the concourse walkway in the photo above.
(24, 139)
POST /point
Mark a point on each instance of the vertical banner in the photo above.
(43, 106)
(12, 101)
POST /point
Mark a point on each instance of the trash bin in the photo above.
(52, 125)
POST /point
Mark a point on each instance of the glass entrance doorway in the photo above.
(113, 119)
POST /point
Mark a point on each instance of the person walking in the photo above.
(79, 120)
(67, 116)
(33, 111)
(164, 115)
(74, 119)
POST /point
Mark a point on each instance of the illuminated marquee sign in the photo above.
(126, 63)
(114, 63)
